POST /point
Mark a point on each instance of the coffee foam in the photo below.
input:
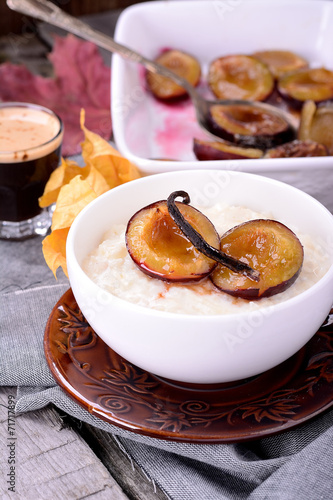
(27, 133)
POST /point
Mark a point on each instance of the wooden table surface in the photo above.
(56, 456)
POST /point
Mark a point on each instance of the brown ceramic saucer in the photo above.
(114, 390)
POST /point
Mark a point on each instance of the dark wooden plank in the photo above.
(49, 461)
(127, 473)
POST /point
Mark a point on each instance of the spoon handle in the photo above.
(50, 13)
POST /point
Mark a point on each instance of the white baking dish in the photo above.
(146, 131)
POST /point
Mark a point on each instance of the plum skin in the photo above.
(240, 77)
(179, 62)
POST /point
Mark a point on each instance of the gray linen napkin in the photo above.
(293, 465)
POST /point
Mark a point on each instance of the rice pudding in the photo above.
(112, 269)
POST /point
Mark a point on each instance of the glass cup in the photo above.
(30, 149)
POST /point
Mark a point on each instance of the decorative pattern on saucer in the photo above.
(124, 395)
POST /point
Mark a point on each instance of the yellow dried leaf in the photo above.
(72, 187)
(60, 176)
(125, 169)
(96, 181)
(106, 159)
(106, 168)
(54, 250)
(53, 186)
(73, 197)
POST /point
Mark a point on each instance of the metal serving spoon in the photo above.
(47, 11)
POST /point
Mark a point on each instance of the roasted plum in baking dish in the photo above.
(314, 84)
(297, 149)
(281, 61)
(218, 150)
(240, 77)
(181, 63)
(250, 126)
(253, 130)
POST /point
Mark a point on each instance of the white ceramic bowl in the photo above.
(145, 130)
(195, 348)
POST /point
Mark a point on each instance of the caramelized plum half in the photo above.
(267, 246)
(182, 64)
(215, 150)
(281, 61)
(314, 84)
(297, 149)
(240, 77)
(161, 250)
(316, 124)
(250, 125)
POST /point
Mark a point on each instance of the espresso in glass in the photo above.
(30, 149)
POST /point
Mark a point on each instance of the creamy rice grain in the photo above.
(111, 268)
